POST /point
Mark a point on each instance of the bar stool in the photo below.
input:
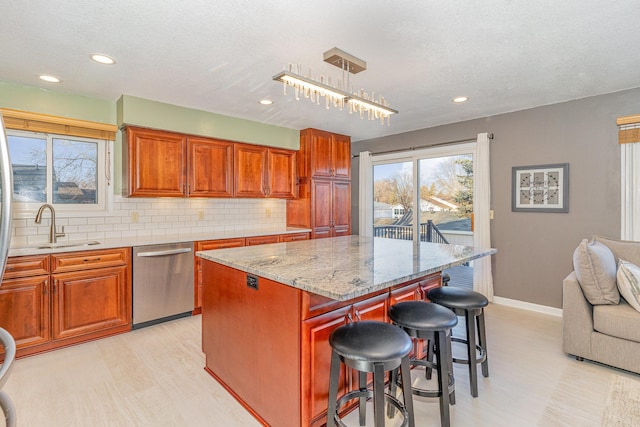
(376, 347)
(427, 321)
(470, 304)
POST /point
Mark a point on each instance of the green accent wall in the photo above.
(158, 115)
(45, 101)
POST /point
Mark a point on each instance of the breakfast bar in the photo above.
(268, 312)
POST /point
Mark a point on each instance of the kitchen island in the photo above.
(268, 312)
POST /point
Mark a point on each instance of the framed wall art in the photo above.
(542, 188)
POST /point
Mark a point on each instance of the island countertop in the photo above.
(344, 268)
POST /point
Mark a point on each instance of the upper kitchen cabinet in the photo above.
(210, 168)
(329, 154)
(168, 164)
(155, 163)
(264, 172)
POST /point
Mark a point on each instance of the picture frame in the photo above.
(540, 188)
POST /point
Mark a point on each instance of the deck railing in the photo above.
(428, 232)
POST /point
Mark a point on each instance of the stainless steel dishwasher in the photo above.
(162, 283)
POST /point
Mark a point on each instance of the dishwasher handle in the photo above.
(163, 253)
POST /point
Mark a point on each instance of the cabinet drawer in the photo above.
(25, 266)
(207, 245)
(261, 240)
(293, 237)
(74, 261)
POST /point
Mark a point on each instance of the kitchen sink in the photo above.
(65, 244)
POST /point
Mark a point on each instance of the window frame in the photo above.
(104, 172)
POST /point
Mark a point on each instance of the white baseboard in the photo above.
(528, 306)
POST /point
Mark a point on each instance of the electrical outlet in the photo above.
(267, 212)
(200, 215)
(135, 217)
(491, 214)
(252, 281)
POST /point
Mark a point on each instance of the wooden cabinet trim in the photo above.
(24, 266)
(73, 261)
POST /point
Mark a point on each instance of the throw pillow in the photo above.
(629, 283)
(595, 268)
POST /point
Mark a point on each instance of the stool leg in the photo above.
(452, 396)
(362, 402)
(334, 377)
(393, 385)
(471, 352)
(407, 394)
(429, 357)
(378, 395)
(482, 341)
(442, 364)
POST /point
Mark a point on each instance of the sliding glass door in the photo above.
(425, 195)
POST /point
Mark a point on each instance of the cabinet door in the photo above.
(341, 157)
(210, 168)
(208, 245)
(321, 205)
(341, 208)
(250, 166)
(89, 301)
(429, 282)
(316, 359)
(407, 293)
(24, 310)
(282, 174)
(156, 162)
(321, 157)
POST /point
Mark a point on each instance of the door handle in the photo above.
(163, 253)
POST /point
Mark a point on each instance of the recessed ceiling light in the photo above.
(266, 102)
(103, 59)
(49, 79)
(459, 99)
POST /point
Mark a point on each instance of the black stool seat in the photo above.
(457, 298)
(375, 347)
(369, 341)
(470, 304)
(431, 322)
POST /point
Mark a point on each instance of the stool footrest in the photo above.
(356, 394)
(480, 359)
(431, 392)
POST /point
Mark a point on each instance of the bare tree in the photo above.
(395, 190)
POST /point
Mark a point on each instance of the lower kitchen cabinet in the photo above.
(50, 301)
(90, 301)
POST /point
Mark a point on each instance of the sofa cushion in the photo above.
(629, 282)
(595, 268)
(621, 321)
(625, 249)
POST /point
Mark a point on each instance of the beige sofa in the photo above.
(607, 329)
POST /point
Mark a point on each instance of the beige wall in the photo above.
(535, 249)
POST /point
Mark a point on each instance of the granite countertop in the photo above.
(75, 246)
(347, 267)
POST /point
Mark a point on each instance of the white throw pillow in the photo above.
(629, 283)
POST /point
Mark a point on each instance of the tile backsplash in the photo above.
(157, 217)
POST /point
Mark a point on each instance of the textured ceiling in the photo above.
(220, 56)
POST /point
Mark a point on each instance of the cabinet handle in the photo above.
(349, 318)
(358, 318)
(44, 289)
(55, 286)
(9, 268)
(91, 259)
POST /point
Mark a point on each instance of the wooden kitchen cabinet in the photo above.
(324, 190)
(156, 163)
(24, 300)
(51, 301)
(264, 172)
(261, 240)
(210, 167)
(207, 245)
(293, 237)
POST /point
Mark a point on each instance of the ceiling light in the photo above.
(103, 59)
(459, 99)
(334, 95)
(266, 102)
(49, 79)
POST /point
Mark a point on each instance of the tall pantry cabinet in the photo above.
(324, 185)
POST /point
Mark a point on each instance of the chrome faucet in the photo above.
(53, 232)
